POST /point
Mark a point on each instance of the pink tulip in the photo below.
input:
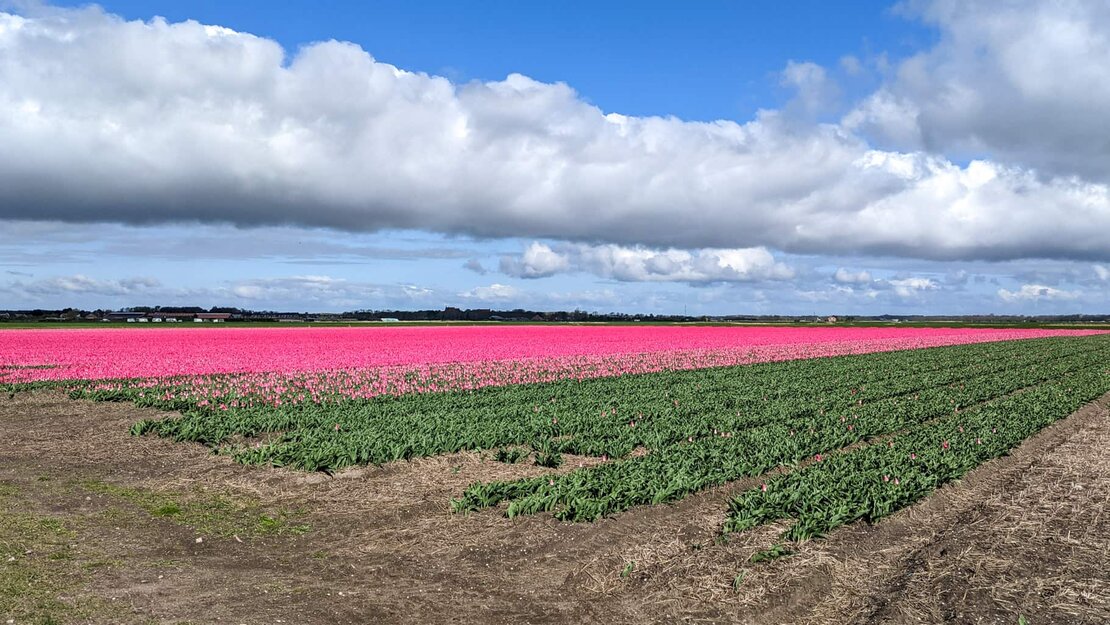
(240, 367)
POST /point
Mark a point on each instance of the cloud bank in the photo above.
(1035, 293)
(152, 122)
(1021, 81)
(640, 264)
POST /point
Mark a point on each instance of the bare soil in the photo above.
(97, 526)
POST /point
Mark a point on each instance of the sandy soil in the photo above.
(1026, 535)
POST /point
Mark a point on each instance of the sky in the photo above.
(922, 157)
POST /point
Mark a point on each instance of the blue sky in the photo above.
(714, 157)
(698, 61)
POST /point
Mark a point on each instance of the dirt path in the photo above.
(112, 524)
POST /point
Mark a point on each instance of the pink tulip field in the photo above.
(362, 362)
(276, 366)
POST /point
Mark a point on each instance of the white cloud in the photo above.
(416, 292)
(537, 261)
(834, 293)
(492, 293)
(1025, 81)
(847, 277)
(80, 285)
(156, 122)
(912, 287)
(641, 264)
(1102, 272)
(249, 291)
(815, 92)
(318, 292)
(1036, 292)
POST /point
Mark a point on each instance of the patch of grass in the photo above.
(34, 566)
(93, 565)
(169, 509)
(8, 489)
(113, 515)
(207, 513)
(285, 522)
(41, 563)
(55, 526)
(65, 553)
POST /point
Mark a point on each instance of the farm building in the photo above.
(124, 316)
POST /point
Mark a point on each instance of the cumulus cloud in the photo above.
(492, 293)
(1024, 81)
(912, 287)
(151, 122)
(641, 264)
(537, 261)
(1036, 292)
(844, 276)
(1102, 272)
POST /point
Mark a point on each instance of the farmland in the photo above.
(771, 441)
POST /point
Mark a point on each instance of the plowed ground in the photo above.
(97, 526)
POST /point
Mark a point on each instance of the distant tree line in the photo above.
(451, 313)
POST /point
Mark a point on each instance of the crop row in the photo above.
(872, 482)
(673, 471)
(603, 417)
